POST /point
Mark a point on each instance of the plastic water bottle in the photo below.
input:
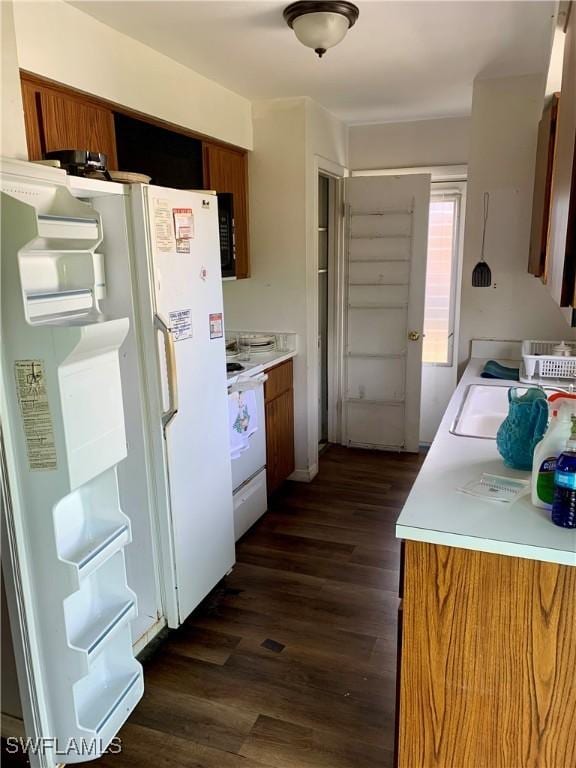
(564, 504)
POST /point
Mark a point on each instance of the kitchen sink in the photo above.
(483, 409)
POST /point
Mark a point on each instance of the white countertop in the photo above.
(436, 512)
(259, 361)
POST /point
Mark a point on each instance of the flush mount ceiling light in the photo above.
(320, 25)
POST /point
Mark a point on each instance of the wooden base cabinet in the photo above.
(279, 404)
(488, 664)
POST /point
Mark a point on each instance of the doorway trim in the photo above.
(323, 165)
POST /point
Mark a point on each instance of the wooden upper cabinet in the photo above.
(225, 170)
(543, 189)
(59, 117)
(559, 271)
(70, 123)
(56, 119)
(31, 101)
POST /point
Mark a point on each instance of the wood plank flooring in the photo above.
(291, 662)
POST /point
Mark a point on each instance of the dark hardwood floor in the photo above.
(291, 662)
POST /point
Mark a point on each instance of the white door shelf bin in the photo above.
(62, 382)
(102, 606)
(59, 266)
(89, 526)
(69, 228)
(102, 697)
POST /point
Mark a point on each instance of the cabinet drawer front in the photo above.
(280, 379)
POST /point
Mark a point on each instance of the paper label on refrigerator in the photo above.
(35, 413)
(183, 228)
(216, 326)
(163, 231)
(181, 324)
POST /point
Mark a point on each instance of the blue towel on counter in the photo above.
(494, 370)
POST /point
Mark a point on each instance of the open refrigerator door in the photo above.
(64, 435)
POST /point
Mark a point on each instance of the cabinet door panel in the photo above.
(70, 123)
(488, 658)
(225, 170)
(543, 189)
(30, 98)
(279, 440)
(560, 265)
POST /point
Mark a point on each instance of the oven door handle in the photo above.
(254, 383)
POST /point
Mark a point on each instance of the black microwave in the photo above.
(227, 234)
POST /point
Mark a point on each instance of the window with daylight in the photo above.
(441, 272)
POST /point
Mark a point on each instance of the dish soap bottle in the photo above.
(564, 505)
(546, 454)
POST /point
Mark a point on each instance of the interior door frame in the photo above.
(458, 190)
(322, 165)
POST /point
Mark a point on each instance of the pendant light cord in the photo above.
(486, 204)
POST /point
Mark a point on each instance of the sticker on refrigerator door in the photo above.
(35, 413)
(216, 326)
(163, 232)
(183, 228)
(181, 324)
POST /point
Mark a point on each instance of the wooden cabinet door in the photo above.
(543, 189)
(488, 659)
(279, 439)
(71, 123)
(561, 261)
(31, 104)
(225, 170)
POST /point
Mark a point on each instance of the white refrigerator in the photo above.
(176, 260)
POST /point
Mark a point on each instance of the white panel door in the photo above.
(188, 300)
(385, 284)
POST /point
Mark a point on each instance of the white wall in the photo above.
(281, 294)
(503, 133)
(274, 297)
(12, 137)
(61, 42)
(403, 145)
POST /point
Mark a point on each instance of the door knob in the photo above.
(414, 335)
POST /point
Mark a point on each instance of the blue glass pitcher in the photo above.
(523, 428)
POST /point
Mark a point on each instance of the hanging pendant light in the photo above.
(320, 25)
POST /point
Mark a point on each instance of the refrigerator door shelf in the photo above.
(67, 228)
(105, 696)
(101, 606)
(89, 526)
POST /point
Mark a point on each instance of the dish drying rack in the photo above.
(541, 366)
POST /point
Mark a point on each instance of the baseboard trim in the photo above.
(304, 475)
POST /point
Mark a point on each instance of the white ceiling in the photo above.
(402, 60)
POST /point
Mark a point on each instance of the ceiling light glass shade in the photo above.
(321, 24)
(320, 31)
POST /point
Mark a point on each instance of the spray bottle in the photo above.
(550, 447)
